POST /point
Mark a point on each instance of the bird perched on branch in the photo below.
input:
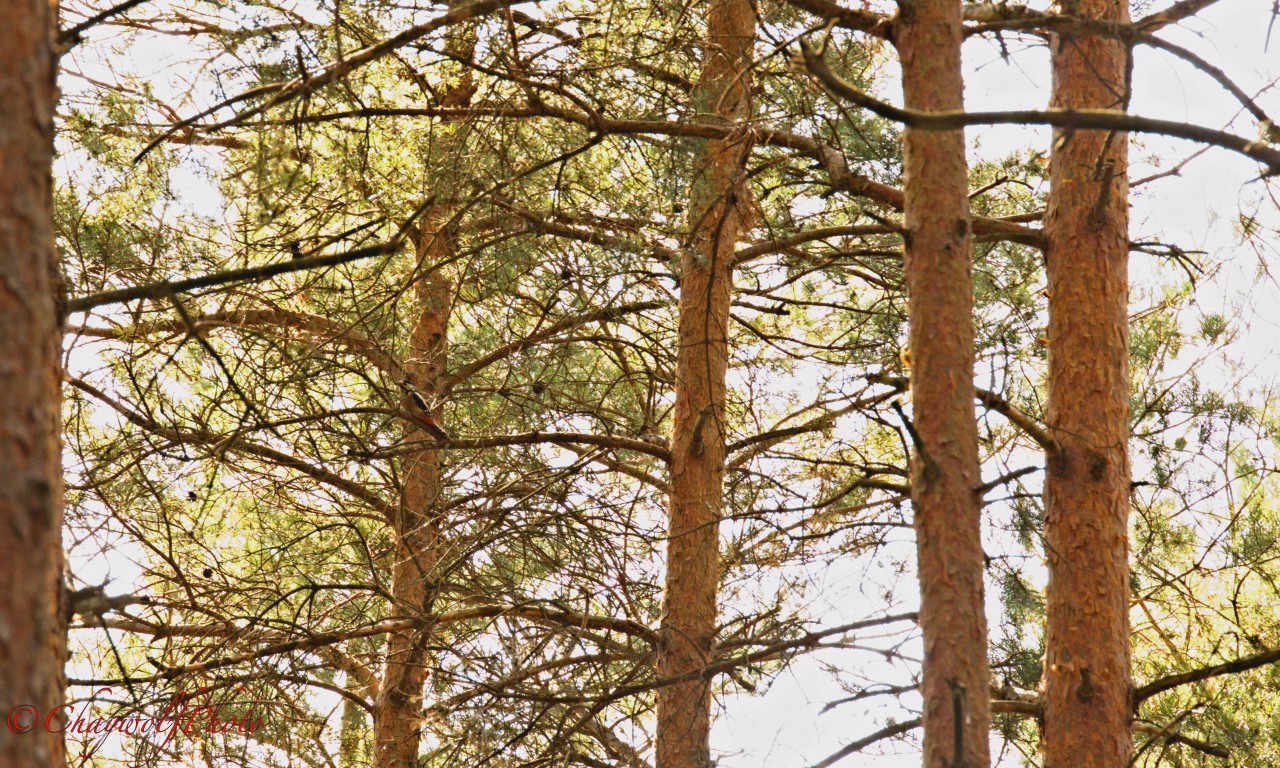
(421, 411)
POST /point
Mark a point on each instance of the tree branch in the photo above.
(1019, 419)
(874, 24)
(530, 438)
(994, 402)
(1170, 682)
(1025, 709)
(1173, 14)
(1098, 119)
(309, 325)
(166, 288)
(68, 38)
(600, 315)
(240, 445)
(537, 614)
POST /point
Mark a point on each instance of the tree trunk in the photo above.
(718, 202)
(398, 709)
(1087, 680)
(945, 470)
(353, 750)
(33, 640)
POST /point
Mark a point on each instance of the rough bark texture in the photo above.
(1087, 675)
(397, 712)
(717, 208)
(32, 631)
(945, 470)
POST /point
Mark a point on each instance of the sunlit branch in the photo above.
(874, 24)
(529, 438)
(762, 441)
(1144, 692)
(308, 324)
(809, 235)
(992, 401)
(621, 468)
(831, 160)
(239, 633)
(165, 288)
(302, 85)
(599, 316)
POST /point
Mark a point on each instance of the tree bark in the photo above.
(33, 640)
(719, 202)
(1087, 678)
(945, 470)
(398, 709)
(418, 529)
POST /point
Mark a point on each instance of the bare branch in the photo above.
(165, 288)
(874, 24)
(1184, 9)
(67, 38)
(1019, 419)
(887, 732)
(1099, 119)
(991, 400)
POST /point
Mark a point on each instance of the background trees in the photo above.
(496, 202)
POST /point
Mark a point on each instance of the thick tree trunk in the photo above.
(1087, 675)
(33, 640)
(719, 199)
(945, 471)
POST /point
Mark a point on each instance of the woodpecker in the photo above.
(422, 411)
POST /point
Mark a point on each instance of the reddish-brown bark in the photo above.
(32, 630)
(1087, 680)
(718, 203)
(945, 469)
(397, 712)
